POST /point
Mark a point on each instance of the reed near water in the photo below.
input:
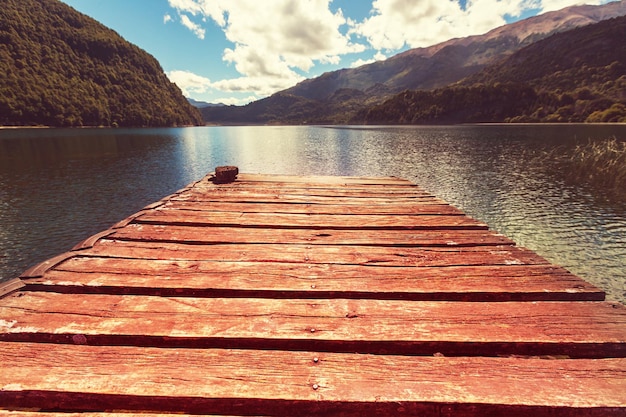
(600, 163)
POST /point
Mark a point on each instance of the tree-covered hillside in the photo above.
(575, 76)
(59, 67)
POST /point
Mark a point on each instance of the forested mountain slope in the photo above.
(59, 67)
(575, 76)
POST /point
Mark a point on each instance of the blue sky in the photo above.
(237, 51)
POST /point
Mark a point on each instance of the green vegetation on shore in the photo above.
(59, 67)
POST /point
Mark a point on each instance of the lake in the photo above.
(60, 186)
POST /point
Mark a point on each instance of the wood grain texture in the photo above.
(324, 180)
(367, 326)
(389, 208)
(295, 280)
(312, 221)
(7, 287)
(248, 235)
(404, 193)
(279, 382)
(23, 413)
(375, 184)
(320, 254)
(302, 198)
(425, 277)
(280, 295)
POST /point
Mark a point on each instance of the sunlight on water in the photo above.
(58, 187)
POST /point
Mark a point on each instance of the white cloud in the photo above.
(261, 86)
(189, 82)
(550, 5)
(379, 56)
(233, 101)
(191, 6)
(167, 18)
(273, 42)
(360, 62)
(194, 27)
(394, 24)
(398, 23)
(209, 8)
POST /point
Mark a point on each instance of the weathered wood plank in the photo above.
(262, 271)
(198, 196)
(576, 329)
(319, 254)
(390, 208)
(21, 413)
(285, 280)
(313, 189)
(325, 180)
(320, 221)
(10, 286)
(227, 381)
(218, 234)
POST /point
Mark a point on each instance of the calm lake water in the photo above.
(57, 187)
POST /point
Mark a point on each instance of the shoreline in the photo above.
(324, 125)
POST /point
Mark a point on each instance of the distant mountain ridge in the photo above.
(337, 97)
(450, 61)
(573, 76)
(59, 67)
(202, 104)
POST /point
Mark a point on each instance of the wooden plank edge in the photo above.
(37, 271)
(188, 187)
(116, 413)
(156, 204)
(40, 269)
(324, 179)
(10, 286)
(248, 186)
(92, 240)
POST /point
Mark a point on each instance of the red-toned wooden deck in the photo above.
(282, 296)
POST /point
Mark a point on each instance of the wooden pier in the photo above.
(295, 296)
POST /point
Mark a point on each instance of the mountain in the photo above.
(283, 108)
(448, 62)
(59, 67)
(420, 68)
(203, 104)
(574, 76)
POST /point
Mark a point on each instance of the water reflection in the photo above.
(57, 187)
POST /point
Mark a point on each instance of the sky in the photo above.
(238, 51)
